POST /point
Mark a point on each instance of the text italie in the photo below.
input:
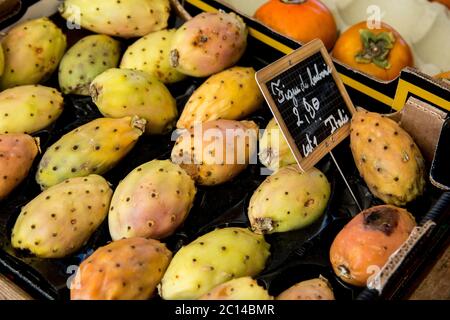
(311, 108)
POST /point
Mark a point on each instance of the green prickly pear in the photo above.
(212, 259)
(208, 43)
(127, 269)
(126, 19)
(387, 158)
(17, 153)
(232, 94)
(151, 55)
(28, 109)
(121, 92)
(85, 60)
(238, 289)
(151, 202)
(56, 223)
(215, 152)
(95, 147)
(32, 51)
(289, 199)
(274, 151)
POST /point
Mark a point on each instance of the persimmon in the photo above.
(302, 20)
(365, 244)
(444, 2)
(381, 52)
(443, 75)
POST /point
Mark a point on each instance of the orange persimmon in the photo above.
(382, 53)
(365, 244)
(443, 75)
(302, 20)
(444, 2)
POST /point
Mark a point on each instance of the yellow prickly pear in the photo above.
(238, 289)
(28, 109)
(85, 60)
(122, 92)
(17, 153)
(151, 55)
(274, 152)
(212, 259)
(289, 199)
(151, 202)
(32, 51)
(2, 61)
(215, 152)
(56, 223)
(95, 147)
(208, 43)
(232, 94)
(126, 18)
(387, 158)
(127, 269)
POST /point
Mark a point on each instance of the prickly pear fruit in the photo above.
(151, 55)
(215, 152)
(32, 51)
(238, 289)
(2, 61)
(212, 259)
(274, 152)
(85, 60)
(232, 94)
(365, 244)
(95, 147)
(208, 43)
(17, 153)
(314, 289)
(151, 202)
(121, 92)
(60, 220)
(127, 269)
(289, 199)
(28, 109)
(126, 19)
(387, 158)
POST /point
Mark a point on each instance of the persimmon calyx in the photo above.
(376, 48)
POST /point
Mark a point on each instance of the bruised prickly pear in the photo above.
(365, 244)
(238, 289)
(232, 94)
(387, 158)
(151, 55)
(126, 18)
(17, 153)
(127, 269)
(208, 43)
(314, 289)
(62, 218)
(121, 92)
(95, 147)
(289, 199)
(215, 152)
(274, 152)
(85, 60)
(32, 51)
(151, 202)
(28, 109)
(212, 259)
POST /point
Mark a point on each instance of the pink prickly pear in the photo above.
(208, 43)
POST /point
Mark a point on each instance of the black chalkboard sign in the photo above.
(309, 102)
